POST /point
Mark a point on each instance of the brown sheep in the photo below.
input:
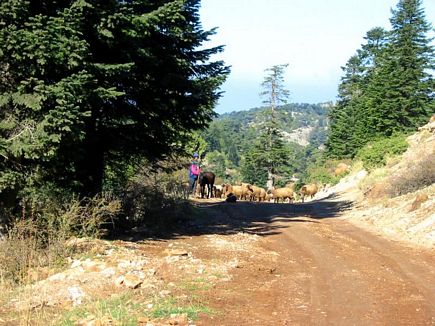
(241, 192)
(308, 190)
(258, 193)
(282, 193)
(226, 189)
(246, 191)
(218, 191)
(341, 168)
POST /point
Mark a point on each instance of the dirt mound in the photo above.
(397, 200)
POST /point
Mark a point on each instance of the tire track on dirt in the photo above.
(365, 286)
(328, 272)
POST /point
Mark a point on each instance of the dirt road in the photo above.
(315, 268)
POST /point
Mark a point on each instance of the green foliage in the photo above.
(388, 86)
(171, 305)
(350, 128)
(156, 199)
(321, 170)
(375, 153)
(86, 85)
(121, 309)
(268, 152)
(234, 138)
(273, 87)
(218, 163)
(251, 170)
(401, 93)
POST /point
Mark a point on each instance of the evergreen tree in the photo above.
(401, 92)
(388, 85)
(86, 83)
(350, 128)
(270, 151)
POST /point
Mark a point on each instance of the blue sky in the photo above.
(315, 37)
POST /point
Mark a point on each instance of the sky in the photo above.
(315, 37)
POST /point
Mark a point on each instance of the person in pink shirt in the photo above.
(194, 171)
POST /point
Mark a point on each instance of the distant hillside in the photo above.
(231, 135)
(301, 123)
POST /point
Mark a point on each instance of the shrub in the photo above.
(38, 237)
(156, 198)
(419, 175)
(376, 178)
(375, 153)
(323, 171)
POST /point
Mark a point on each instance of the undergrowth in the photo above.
(39, 237)
(376, 153)
(417, 175)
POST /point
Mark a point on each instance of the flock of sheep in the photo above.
(246, 191)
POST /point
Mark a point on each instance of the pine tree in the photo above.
(86, 83)
(270, 151)
(401, 91)
(350, 128)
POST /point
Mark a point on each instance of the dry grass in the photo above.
(40, 242)
(157, 199)
(374, 185)
(415, 176)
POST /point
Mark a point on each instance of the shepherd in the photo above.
(194, 171)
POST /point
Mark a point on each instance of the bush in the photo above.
(375, 153)
(419, 175)
(322, 171)
(157, 198)
(38, 238)
(376, 177)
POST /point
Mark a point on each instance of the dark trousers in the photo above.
(192, 184)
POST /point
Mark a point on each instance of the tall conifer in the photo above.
(401, 93)
(85, 83)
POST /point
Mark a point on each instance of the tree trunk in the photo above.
(91, 170)
(270, 179)
(91, 167)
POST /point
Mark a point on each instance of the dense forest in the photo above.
(90, 90)
(388, 85)
(103, 102)
(231, 136)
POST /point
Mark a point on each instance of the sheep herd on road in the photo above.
(250, 192)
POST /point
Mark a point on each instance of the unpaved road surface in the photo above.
(315, 269)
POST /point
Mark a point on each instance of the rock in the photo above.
(108, 272)
(119, 280)
(93, 266)
(57, 277)
(93, 321)
(132, 281)
(76, 295)
(164, 293)
(178, 320)
(176, 252)
(76, 263)
(143, 320)
(38, 274)
(419, 199)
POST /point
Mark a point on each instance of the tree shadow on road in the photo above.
(264, 219)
